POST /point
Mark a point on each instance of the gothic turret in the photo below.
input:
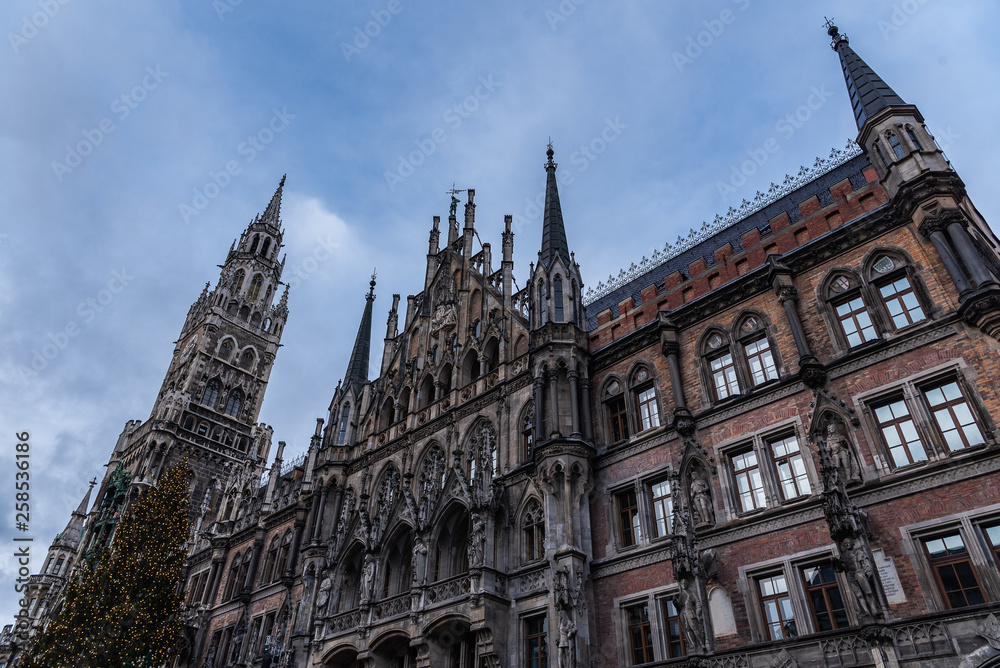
(923, 186)
(345, 407)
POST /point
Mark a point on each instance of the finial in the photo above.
(834, 32)
(371, 290)
(550, 153)
(282, 183)
(93, 482)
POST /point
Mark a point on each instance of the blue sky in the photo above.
(650, 107)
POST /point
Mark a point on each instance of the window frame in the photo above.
(934, 564)
(824, 588)
(643, 382)
(635, 523)
(616, 411)
(542, 660)
(933, 409)
(645, 628)
(665, 501)
(743, 338)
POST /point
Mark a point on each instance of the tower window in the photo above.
(881, 155)
(344, 416)
(247, 360)
(266, 247)
(254, 290)
(234, 403)
(913, 138)
(211, 393)
(253, 245)
(896, 147)
(226, 349)
(541, 303)
(557, 289)
(238, 281)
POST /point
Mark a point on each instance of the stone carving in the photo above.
(367, 577)
(856, 563)
(477, 541)
(692, 617)
(567, 597)
(842, 456)
(785, 660)
(418, 560)
(567, 639)
(990, 630)
(324, 593)
(701, 501)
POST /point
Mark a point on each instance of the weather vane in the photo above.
(454, 200)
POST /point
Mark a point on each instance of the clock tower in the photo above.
(207, 408)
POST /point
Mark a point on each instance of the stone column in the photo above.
(574, 401)
(811, 371)
(258, 547)
(318, 524)
(934, 231)
(553, 405)
(538, 389)
(585, 388)
(293, 557)
(313, 511)
(970, 256)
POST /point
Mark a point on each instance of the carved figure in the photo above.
(324, 593)
(567, 639)
(477, 541)
(418, 560)
(367, 577)
(692, 618)
(840, 452)
(860, 571)
(701, 501)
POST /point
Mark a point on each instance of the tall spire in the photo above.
(553, 231)
(869, 93)
(273, 210)
(357, 369)
(85, 503)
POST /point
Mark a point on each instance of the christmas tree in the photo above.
(122, 609)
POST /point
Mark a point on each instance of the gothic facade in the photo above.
(774, 445)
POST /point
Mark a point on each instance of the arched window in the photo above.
(541, 303)
(645, 399)
(721, 367)
(254, 290)
(895, 145)
(238, 281)
(234, 403)
(345, 416)
(757, 350)
(234, 573)
(270, 561)
(557, 299)
(282, 562)
(891, 279)
(226, 349)
(425, 395)
(528, 435)
(211, 393)
(853, 319)
(533, 531)
(614, 405)
(246, 361)
(913, 138)
(881, 155)
(267, 299)
(253, 245)
(266, 247)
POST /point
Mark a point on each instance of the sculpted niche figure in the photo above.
(418, 560)
(860, 571)
(367, 577)
(692, 617)
(701, 500)
(840, 452)
(324, 593)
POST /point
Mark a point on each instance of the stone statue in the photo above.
(324, 593)
(418, 561)
(567, 639)
(367, 577)
(477, 541)
(692, 619)
(857, 565)
(840, 452)
(701, 501)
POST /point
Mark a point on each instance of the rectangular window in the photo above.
(640, 635)
(648, 412)
(760, 360)
(855, 322)
(199, 587)
(777, 606)
(953, 569)
(724, 376)
(266, 629)
(900, 433)
(663, 511)
(628, 518)
(792, 477)
(993, 538)
(901, 302)
(749, 483)
(675, 638)
(536, 642)
(825, 601)
(953, 416)
(617, 419)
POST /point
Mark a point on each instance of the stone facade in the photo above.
(777, 448)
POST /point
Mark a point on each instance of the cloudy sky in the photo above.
(139, 138)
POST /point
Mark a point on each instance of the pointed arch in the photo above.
(470, 366)
(255, 284)
(247, 359)
(238, 281)
(491, 352)
(265, 248)
(532, 525)
(253, 245)
(226, 348)
(234, 403)
(451, 537)
(425, 395)
(211, 394)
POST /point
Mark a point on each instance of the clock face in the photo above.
(189, 348)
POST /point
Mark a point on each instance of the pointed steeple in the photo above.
(85, 503)
(553, 231)
(273, 211)
(357, 369)
(869, 93)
